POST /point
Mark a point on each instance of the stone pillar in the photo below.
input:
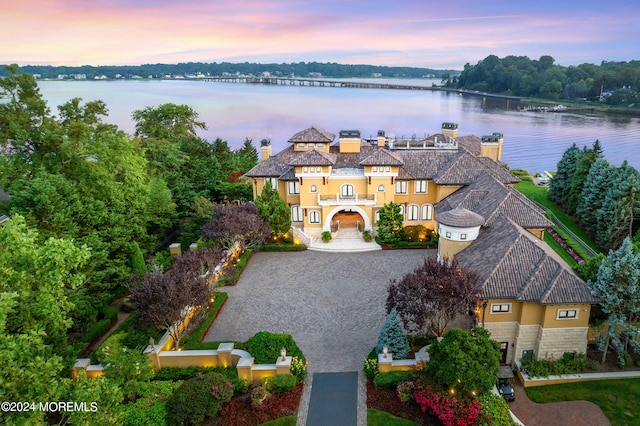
(283, 366)
(224, 355)
(384, 364)
(244, 367)
(175, 249)
(193, 247)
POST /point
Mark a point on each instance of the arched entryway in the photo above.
(349, 218)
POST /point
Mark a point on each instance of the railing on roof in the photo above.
(346, 199)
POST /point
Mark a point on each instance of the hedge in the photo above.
(194, 341)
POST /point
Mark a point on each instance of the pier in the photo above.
(300, 81)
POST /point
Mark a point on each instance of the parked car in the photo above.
(505, 385)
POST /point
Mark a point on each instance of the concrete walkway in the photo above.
(333, 304)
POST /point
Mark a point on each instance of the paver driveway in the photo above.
(333, 304)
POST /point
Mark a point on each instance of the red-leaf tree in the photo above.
(163, 299)
(428, 298)
(240, 223)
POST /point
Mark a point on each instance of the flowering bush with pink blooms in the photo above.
(450, 410)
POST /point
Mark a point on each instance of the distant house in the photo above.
(531, 301)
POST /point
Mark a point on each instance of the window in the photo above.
(293, 188)
(376, 216)
(302, 145)
(463, 236)
(500, 308)
(313, 188)
(402, 210)
(305, 169)
(380, 188)
(318, 169)
(401, 187)
(386, 169)
(421, 186)
(374, 169)
(273, 181)
(427, 212)
(412, 212)
(447, 234)
(319, 145)
(567, 314)
(296, 214)
(314, 216)
(346, 190)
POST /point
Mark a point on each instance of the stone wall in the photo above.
(556, 341)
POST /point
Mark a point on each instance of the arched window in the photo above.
(376, 216)
(314, 216)
(380, 188)
(346, 190)
(412, 212)
(313, 188)
(296, 214)
(427, 212)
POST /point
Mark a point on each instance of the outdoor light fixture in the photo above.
(385, 351)
(283, 353)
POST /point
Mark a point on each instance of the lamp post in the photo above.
(484, 309)
(283, 353)
(385, 351)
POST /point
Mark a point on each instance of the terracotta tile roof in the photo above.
(274, 166)
(465, 168)
(424, 164)
(489, 198)
(513, 264)
(313, 157)
(381, 157)
(461, 218)
(471, 143)
(313, 134)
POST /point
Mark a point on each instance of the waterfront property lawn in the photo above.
(559, 250)
(539, 195)
(382, 418)
(619, 399)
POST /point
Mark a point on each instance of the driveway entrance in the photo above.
(333, 304)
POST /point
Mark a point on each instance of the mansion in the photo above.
(530, 299)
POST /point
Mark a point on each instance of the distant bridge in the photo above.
(299, 81)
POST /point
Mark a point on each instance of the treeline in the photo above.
(74, 177)
(300, 69)
(618, 82)
(603, 199)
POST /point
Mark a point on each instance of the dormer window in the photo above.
(374, 169)
(302, 145)
(305, 169)
(319, 145)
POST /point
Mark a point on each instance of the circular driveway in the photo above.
(333, 304)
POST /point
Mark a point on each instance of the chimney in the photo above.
(450, 129)
(381, 138)
(265, 147)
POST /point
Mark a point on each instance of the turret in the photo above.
(491, 146)
(457, 229)
(450, 129)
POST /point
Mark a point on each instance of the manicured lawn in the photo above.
(618, 399)
(195, 340)
(282, 421)
(539, 195)
(382, 418)
(558, 249)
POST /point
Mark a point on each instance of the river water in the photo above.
(235, 111)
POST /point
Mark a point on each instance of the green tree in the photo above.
(390, 229)
(34, 315)
(245, 158)
(274, 210)
(465, 360)
(392, 336)
(168, 121)
(621, 204)
(618, 285)
(594, 192)
(561, 183)
(585, 161)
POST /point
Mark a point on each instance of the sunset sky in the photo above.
(442, 34)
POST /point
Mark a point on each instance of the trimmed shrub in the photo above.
(280, 383)
(198, 398)
(326, 236)
(265, 347)
(370, 368)
(283, 247)
(186, 373)
(299, 368)
(392, 378)
(495, 408)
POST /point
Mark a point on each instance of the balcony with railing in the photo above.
(347, 200)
